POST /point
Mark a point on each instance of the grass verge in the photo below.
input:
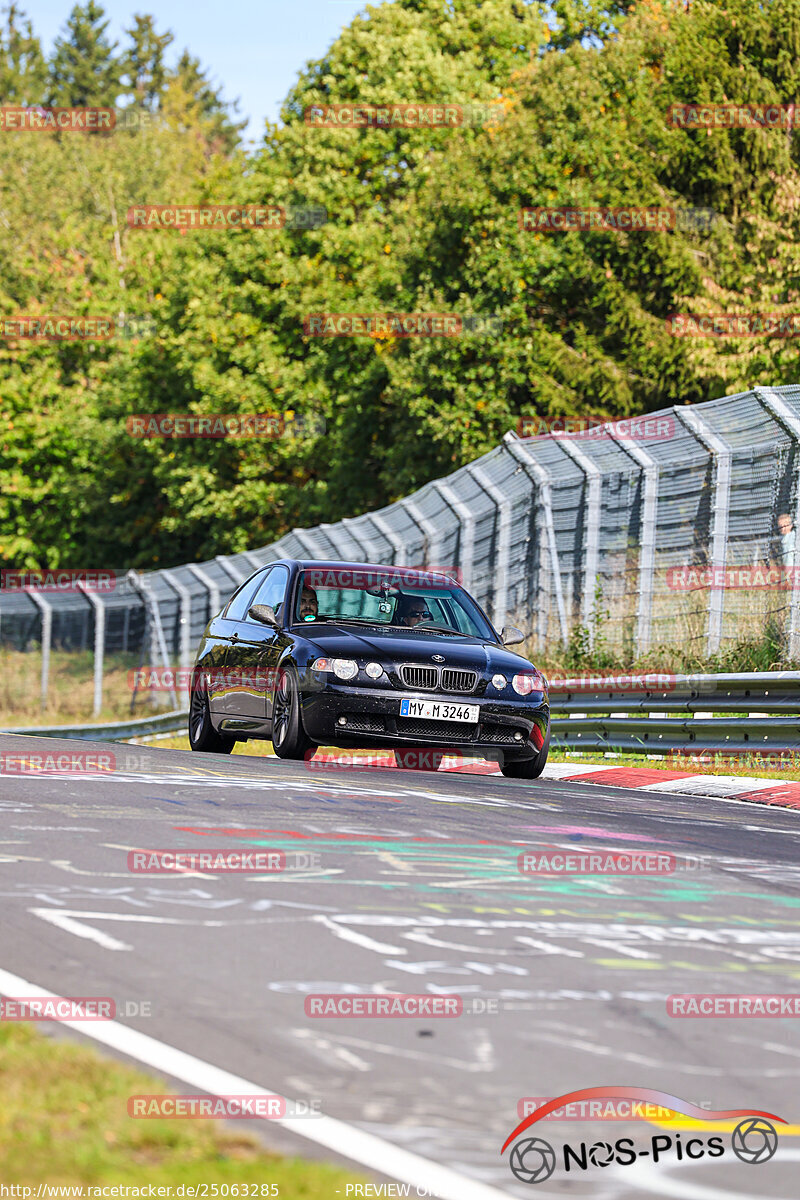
(64, 1120)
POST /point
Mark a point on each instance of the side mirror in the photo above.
(264, 614)
(511, 636)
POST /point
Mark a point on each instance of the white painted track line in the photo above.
(346, 1140)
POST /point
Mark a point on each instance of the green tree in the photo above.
(23, 72)
(84, 69)
(145, 73)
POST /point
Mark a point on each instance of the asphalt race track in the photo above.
(413, 887)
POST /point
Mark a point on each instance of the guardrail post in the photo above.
(503, 557)
(348, 523)
(779, 409)
(647, 537)
(46, 609)
(720, 451)
(547, 531)
(467, 526)
(591, 548)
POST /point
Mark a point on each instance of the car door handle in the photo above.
(234, 637)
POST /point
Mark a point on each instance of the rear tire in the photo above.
(529, 768)
(419, 760)
(289, 739)
(202, 734)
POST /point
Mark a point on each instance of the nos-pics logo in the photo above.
(533, 1160)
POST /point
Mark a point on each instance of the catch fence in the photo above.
(675, 531)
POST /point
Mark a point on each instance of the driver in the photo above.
(309, 606)
(410, 611)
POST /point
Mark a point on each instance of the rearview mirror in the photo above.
(511, 636)
(265, 614)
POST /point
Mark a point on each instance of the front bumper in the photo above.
(360, 717)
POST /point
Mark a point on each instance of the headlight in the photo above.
(345, 668)
(525, 684)
(499, 682)
(373, 670)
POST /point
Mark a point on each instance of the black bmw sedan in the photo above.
(353, 655)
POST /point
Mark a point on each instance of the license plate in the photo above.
(438, 710)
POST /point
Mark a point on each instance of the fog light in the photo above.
(517, 736)
(341, 721)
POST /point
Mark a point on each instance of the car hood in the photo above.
(395, 645)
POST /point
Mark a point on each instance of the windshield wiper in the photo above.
(440, 629)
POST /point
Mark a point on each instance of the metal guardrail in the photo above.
(118, 731)
(736, 714)
(752, 713)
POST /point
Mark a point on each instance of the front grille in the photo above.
(499, 733)
(458, 681)
(454, 730)
(424, 678)
(363, 723)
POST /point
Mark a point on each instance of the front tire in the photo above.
(202, 734)
(529, 768)
(289, 739)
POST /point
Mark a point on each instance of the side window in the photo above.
(273, 589)
(238, 606)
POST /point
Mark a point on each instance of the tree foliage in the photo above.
(419, 220)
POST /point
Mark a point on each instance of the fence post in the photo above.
(591, 549)
(141, 586)
(211, 586)
(233, 572)
(647, 537)
(46, 609)
(431, 535)
(720, 452)
(501, 576)
(392, 536)
(466, 522)
(99, 644)
(185, 632)
(780, 410)
(348, 523)
(547, 535)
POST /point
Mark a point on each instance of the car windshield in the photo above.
(401, 599)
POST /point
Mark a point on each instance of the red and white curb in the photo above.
(783, 794)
